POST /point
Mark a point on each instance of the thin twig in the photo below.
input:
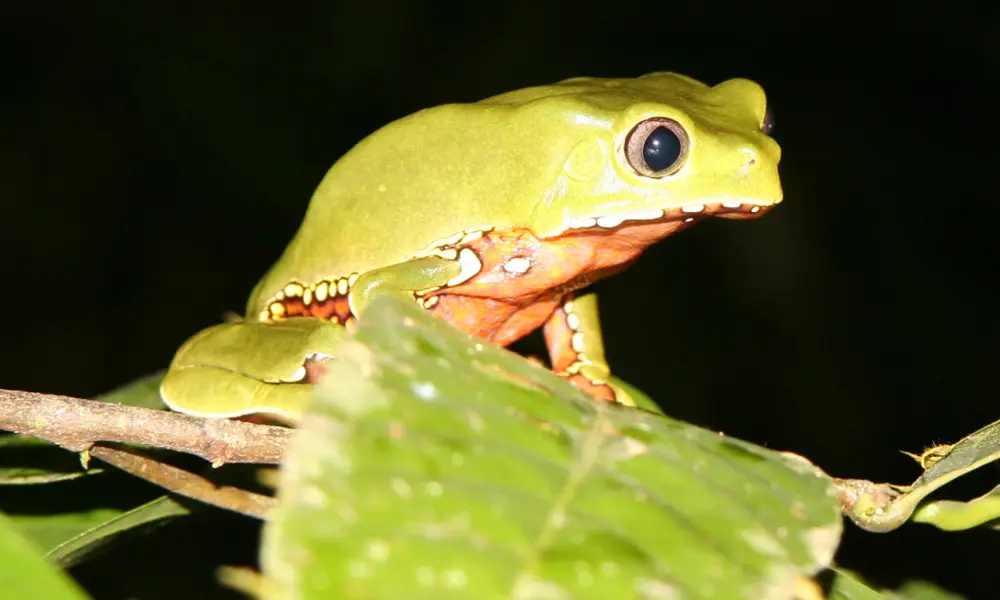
(76, 425)
(184, 482)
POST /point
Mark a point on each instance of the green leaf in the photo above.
(70, 532)
(847, 586)
(922, 590)
(73, 545)
(879, 507)
(952, 515)
(26, 460)
(24, 574)
(433, 465)
(143, 392)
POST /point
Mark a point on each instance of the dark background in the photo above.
(156, 159)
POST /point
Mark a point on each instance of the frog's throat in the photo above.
(727, 209)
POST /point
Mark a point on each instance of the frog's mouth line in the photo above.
(726, 209)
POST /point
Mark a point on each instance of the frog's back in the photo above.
(445, 170)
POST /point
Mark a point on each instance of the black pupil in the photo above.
(662, 149)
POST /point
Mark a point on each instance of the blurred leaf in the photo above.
(431, 465)
(847, 586)
(73, 546)
(878, 507)
(70, 532)
(922, 590)
(26, 460)
(25, 575)
(952, 515)
(144, 392)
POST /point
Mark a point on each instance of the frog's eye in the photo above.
(656, 147)
(768, 125)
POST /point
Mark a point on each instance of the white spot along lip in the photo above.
(709, 207)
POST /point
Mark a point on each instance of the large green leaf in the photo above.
(432, 465)
(25, 575)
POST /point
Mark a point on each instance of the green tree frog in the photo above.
(491, 215)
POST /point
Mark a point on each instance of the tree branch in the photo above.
(185, 483)
(76, 424)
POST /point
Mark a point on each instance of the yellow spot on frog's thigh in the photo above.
(322, 290)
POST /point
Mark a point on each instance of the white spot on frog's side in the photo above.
(731, 204)
(577, 342)
(582, 222)
(469, 265)
(693, 208)
(447, 253)
(454, 578)
(517, 265)
(402, 488)
(610, 222)
(755, 209)
(573, 320)
(689, 219)
(378, 550)
(425, 390)
(298, 375)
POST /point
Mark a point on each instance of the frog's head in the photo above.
(660, 148)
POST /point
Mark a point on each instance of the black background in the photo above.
(156, 159)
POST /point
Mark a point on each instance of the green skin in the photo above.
(542, 160)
